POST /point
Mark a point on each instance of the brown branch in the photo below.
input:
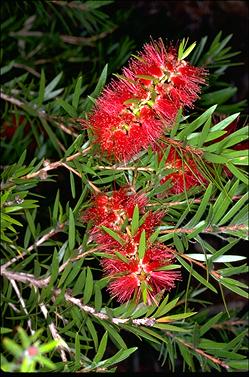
(44, 238)
(212, 272)
(70, 39)
(122, 168)
(190, 201)
(14, 285)
(199, 351)
(40, 283)
(42, 114)
(56, 336)
(54, 165)
(222, 229)
(27, 68)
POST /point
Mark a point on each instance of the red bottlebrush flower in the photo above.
(133, 111)
(151, 221)
(111, 210)
(123, 288)
(186, 174)
(130, 279)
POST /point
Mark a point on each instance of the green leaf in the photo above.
(77, 348)
(44, 348)
(234, 210)
(114, 335)
(187, 357)
(5, 330)
(233, 288)
(31, 223)
(165, 307)
(218, 96)
(98, 89)
(54, 268)
(122, 257)
(88, 290)
(143, 287)
(56, 207)
(211, 322)
(102, 347)
(196, 123)
(175, 317)
(67, 107)
(229, 271)
(79, 284)
(168, 267)
(120, 356)
(72, 184)
(65, 274)
(23, 337)
(197, 229)
(113, 234)
(50, 87)
(239, 364)
(52, 137)
(195, 274)
(74, 272)
(135, 220)
(224, 123)
(188, 51)
(98, 297)
(239, 173)
(167, 327)
(142, 245)
(93, 333)
(154, 235)
(76, 95)
(223, 201)
(41, 89)
(222, 259)
(12, 347)
(71, 230)
(202, 207)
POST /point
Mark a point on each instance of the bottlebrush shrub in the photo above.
(141, 103)
(139, 236)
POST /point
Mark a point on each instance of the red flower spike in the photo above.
(126, 278)
(151, 221)
(111, 211)
(187, 174)
(134, 110)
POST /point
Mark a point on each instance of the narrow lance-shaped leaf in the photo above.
(71, 230)
(142, 245)
(135, 220)
(113, 234)
(88, 286)
(76, 95)
(102, 347)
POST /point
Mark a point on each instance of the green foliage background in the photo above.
(54, 59)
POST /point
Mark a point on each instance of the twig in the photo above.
(42, 114)
(198, 350)
(71, 169)
(222, 229)
(62, 345)
(40, 283)
(70, 39)
(66, 130)
(121, 168)
(27, 68)
(12, 100)
(190, 201)
(14, 285)
(44, 238)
